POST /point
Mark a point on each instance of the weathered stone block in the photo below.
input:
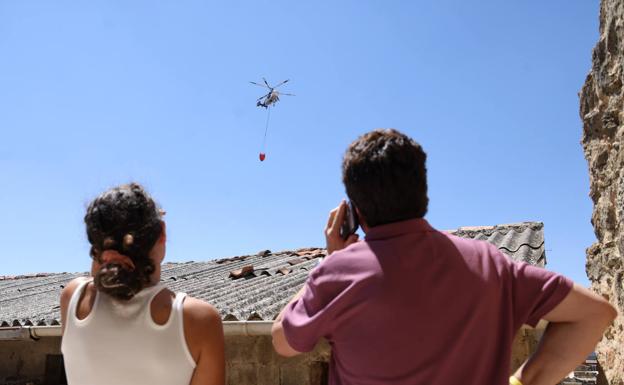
(294, 375)
(26, 359)
(267, 374)
(241, 373)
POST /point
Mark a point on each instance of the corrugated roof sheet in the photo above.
(252, 287)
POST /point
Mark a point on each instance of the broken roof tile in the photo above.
(242, 272)
(295, 261)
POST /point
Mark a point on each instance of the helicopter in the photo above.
(272, 96)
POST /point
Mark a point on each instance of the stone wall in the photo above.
(601, 110)
(21, 361)
(250, 360)
(525, 343)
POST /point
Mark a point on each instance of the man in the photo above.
(412, 305)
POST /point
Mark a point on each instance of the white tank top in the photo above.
(118, 343)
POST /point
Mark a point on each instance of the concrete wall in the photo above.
(250, 360)
(525, 343)
(26, 360)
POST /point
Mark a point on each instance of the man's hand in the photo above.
(332, 231)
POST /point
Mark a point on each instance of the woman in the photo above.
(122, 326)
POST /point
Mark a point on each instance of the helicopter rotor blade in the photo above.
(267, 84)
(281, 93)
(261, 85)
(282, 83)
(262, 97)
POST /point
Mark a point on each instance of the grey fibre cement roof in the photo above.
(236, 290)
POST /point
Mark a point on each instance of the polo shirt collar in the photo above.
(394, 229)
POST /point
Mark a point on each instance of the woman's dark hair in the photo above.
(385, 176)
(127, 220)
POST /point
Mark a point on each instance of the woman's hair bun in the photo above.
(125, 219)
(117, 282)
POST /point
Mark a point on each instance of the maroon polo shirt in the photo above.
(413, 305)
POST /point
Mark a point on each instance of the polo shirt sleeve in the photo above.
(535, 292)
(315, 314)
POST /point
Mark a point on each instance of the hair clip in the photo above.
(128, 240)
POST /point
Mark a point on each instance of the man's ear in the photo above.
(361, 219)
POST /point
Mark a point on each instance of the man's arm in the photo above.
(334, 243)
(281, 345)
(575, 326)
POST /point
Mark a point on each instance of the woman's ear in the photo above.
(163, 234)
(95, 267)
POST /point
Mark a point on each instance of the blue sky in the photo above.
(98, 93)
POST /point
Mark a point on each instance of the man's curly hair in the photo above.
(385, 176)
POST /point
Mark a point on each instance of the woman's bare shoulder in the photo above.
(202, 328)
(68, 292)
(71, 287)
(201, 313)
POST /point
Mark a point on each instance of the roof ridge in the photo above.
(523, 244)
(25, 276)
(503, 229)
(530, 224)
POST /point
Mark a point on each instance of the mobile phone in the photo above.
(351, 223)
